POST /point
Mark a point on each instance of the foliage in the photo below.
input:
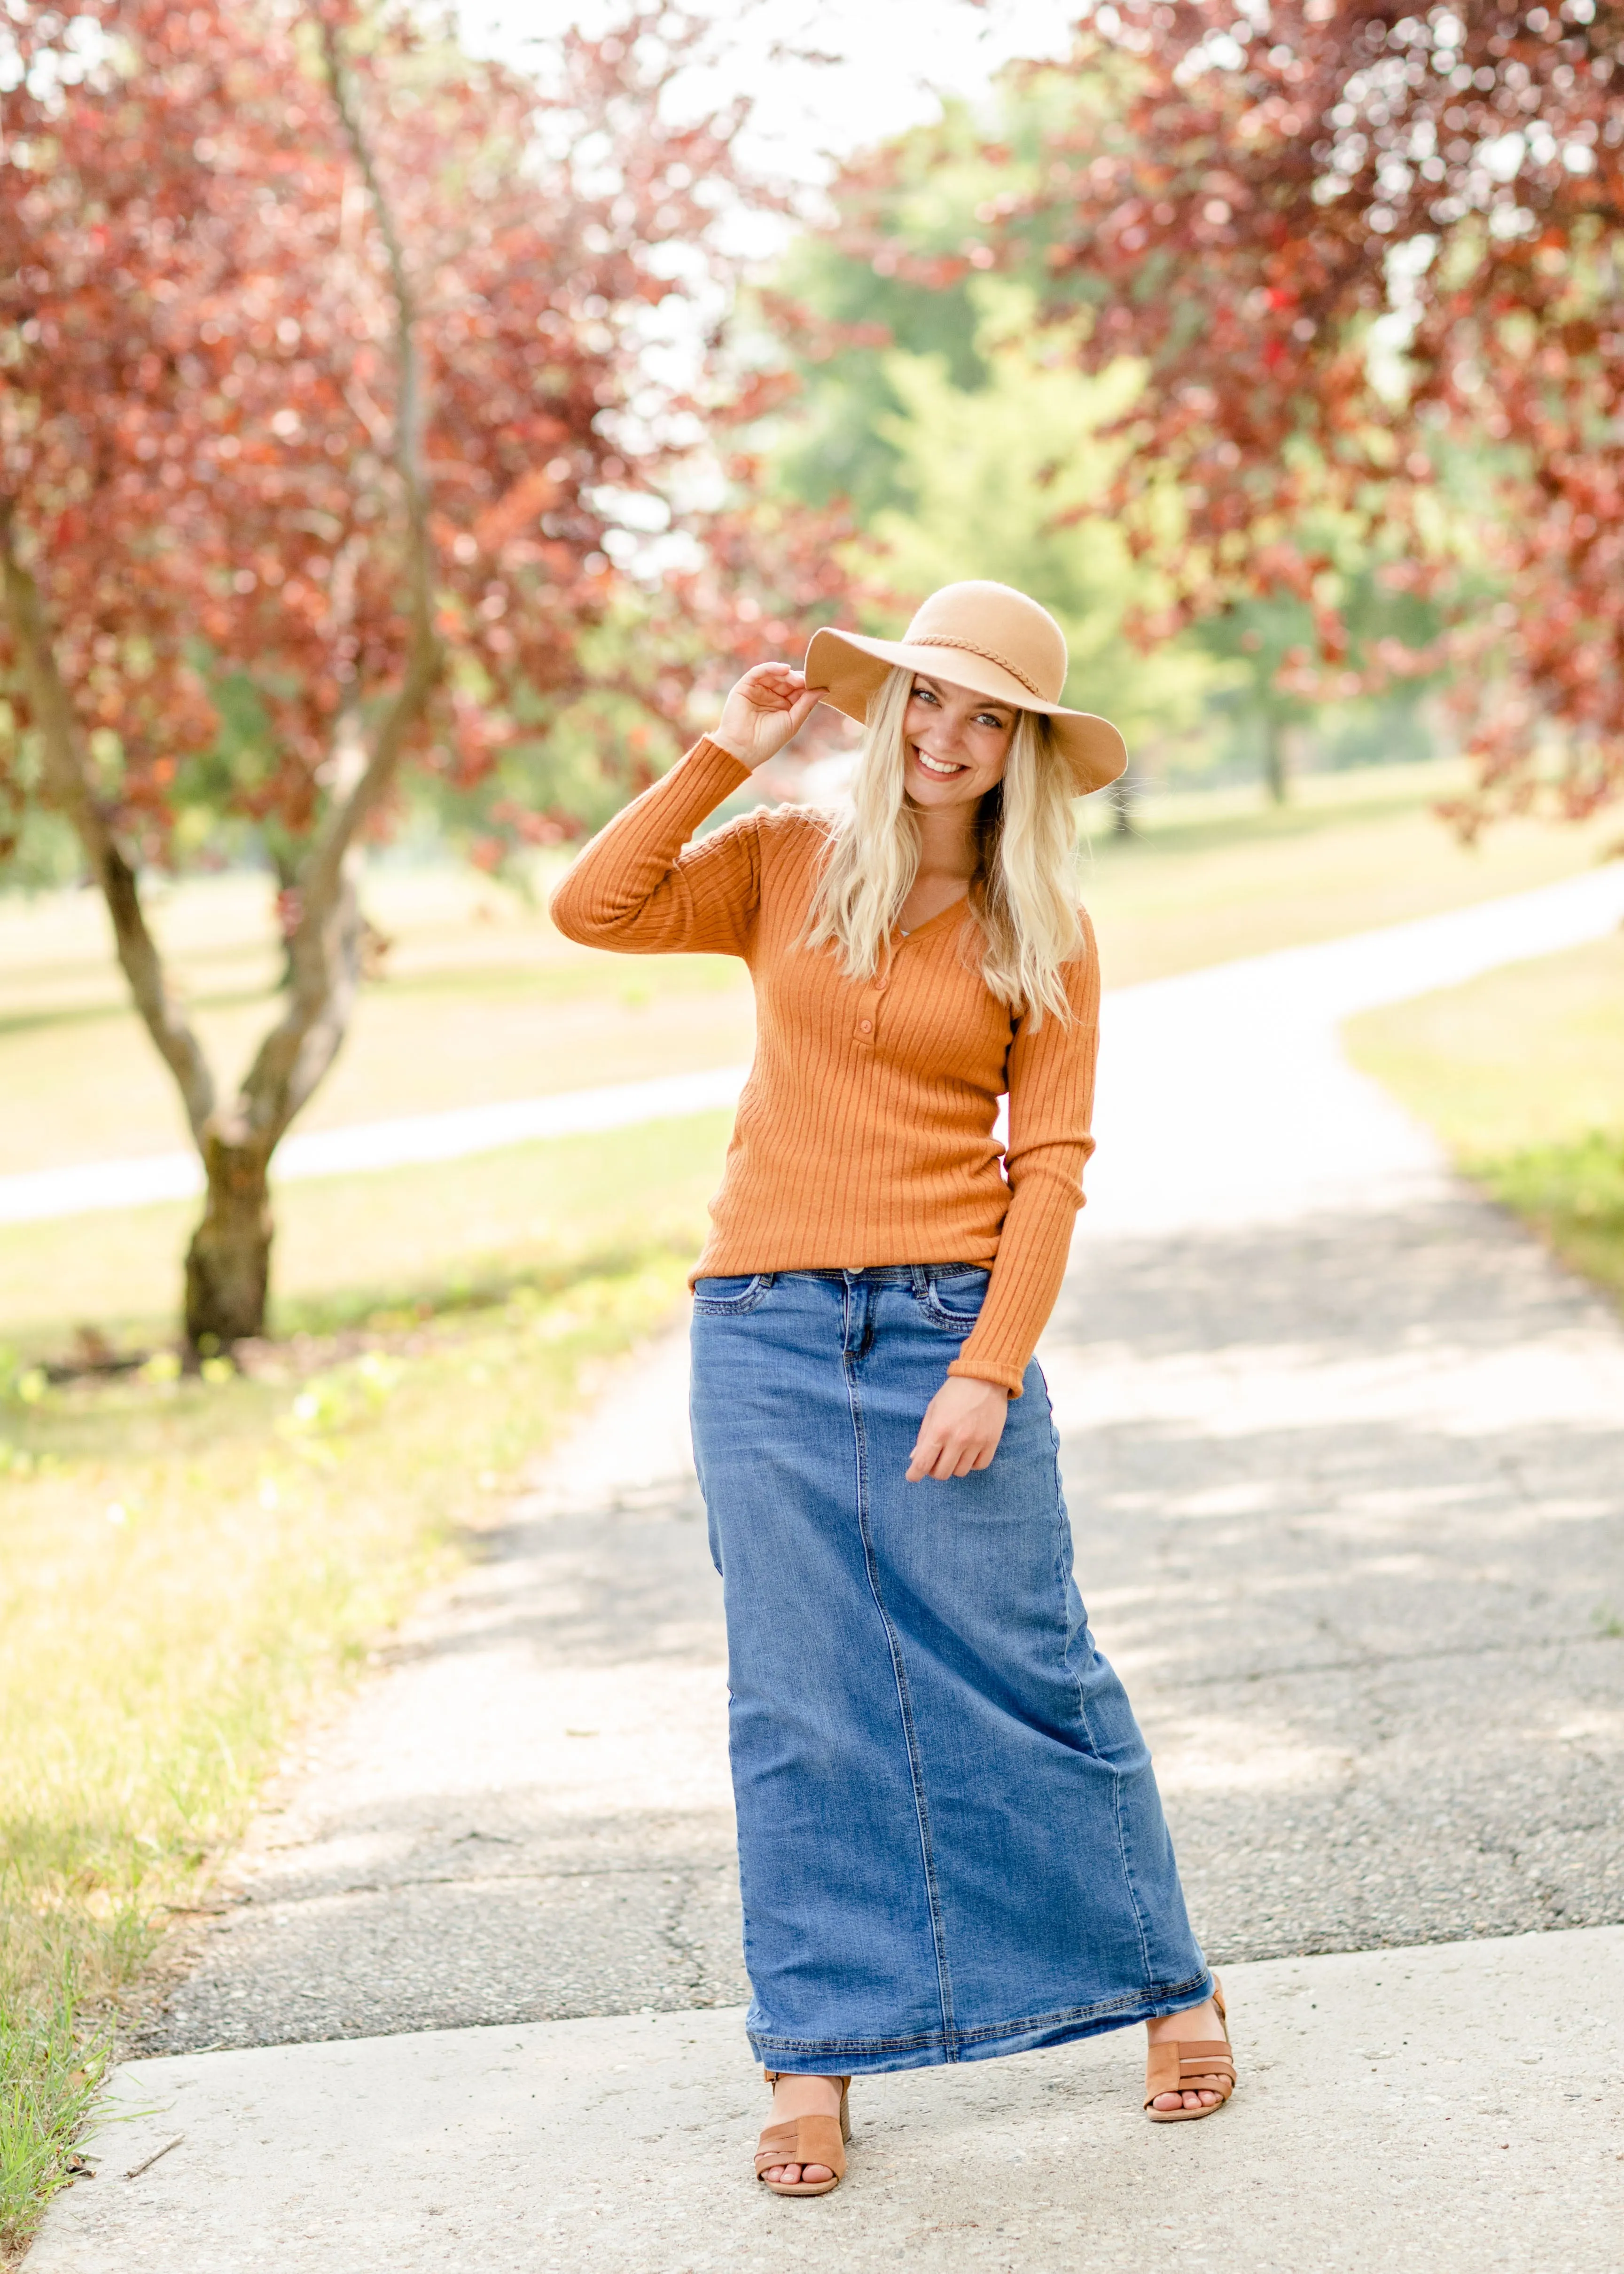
(838, 317)
(1007, 480)
(901, 277)
(1349, 241)
(331, 393)
(201, 380)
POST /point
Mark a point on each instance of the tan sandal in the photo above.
(804, 2140)
(1181, 2065)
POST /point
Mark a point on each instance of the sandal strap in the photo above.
(1179, 2065)
(803, 2140)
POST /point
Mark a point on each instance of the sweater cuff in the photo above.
(710, 761)
(988, 1369)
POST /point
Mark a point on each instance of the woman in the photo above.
(950, 1842)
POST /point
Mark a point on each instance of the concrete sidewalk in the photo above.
(1443, 2108)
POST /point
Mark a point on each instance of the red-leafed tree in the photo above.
(322, 364)
(1242, 193)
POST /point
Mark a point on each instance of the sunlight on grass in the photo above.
(345, 1246)
(1522, 1074)
(1200, 885)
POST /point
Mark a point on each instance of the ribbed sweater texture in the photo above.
(865, 1133)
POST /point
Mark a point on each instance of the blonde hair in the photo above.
(1023, 894)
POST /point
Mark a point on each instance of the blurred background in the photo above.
(410, 423)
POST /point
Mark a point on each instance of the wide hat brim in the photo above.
(846, 668)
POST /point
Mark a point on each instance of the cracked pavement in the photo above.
(1345, 1456)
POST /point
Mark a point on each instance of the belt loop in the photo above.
(921, 1278)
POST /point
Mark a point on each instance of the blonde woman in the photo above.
(950, 1842)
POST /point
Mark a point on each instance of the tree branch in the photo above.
(324, 950)
(68, 785)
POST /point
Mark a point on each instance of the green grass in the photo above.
(1213, 877)
(185, 1566)
(347, 1246)
(1522, 1074)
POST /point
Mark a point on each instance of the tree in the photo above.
(944, 397)
(1007, 478)
(324, 382)
(1363, 251)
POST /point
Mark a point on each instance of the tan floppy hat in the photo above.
(989, 638)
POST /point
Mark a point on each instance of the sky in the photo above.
(890, 59)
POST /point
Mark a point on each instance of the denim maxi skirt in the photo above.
(950, 1842)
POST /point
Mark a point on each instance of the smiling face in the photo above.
(955, 744)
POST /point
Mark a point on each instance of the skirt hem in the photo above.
(938, 2048)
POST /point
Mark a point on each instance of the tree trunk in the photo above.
(229, 1262)
(1275, 775)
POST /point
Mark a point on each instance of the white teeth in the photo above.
(936, 765)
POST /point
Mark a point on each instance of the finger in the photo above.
(779, 695)
(922, 1461)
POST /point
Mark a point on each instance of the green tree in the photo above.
(1005, 478)
(931, 334)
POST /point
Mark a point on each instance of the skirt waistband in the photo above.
(888, 1275)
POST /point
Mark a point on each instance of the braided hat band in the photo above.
(986, 654)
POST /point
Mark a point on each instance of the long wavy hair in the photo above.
(1023, 893)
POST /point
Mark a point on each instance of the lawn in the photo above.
(1211, 877)
(184, 1566)
(1522, 1074)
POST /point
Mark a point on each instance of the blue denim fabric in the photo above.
(950, 1842)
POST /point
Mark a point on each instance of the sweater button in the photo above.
(865, 1026)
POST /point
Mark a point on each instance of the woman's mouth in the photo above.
(943, 769)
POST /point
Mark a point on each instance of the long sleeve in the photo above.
(642, 888)
(1051, 1108)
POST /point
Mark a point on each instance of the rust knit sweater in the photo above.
(865, 1131)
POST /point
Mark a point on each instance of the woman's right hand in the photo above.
(765, 710)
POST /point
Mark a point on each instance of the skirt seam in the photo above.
(1082, 1715)
(905, 1707)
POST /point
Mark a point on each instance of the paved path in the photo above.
(1375, 967)
(1411, 2112)
(1346, 1456)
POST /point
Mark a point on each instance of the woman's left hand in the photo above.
(960, 1431)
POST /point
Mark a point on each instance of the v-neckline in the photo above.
(914, 931)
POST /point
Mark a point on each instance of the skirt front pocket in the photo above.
(729, 1299)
